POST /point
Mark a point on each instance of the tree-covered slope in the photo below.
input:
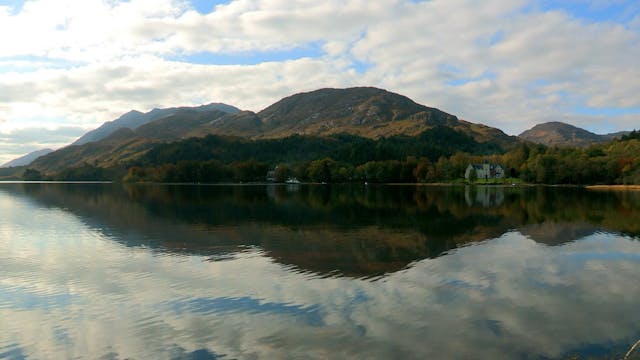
(433, 143)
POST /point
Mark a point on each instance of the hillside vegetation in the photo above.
(437, 155)
(365, 112)
(328, 135)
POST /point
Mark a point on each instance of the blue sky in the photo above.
(70, 65)
(206, 6)
(597, 11)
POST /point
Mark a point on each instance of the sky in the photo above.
(67, 66)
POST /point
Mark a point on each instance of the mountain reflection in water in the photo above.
(345, 230)
(270, 271)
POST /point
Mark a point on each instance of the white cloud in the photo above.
(149, 81)
(491, 61)
(16, 143)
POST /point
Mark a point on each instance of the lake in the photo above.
(110, 271)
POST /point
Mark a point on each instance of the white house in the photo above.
(485, 171)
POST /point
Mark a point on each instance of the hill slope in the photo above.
(364, 111)
(561, 134)
(134, 119)
(184, 123)
(120, 146)
(26, 159)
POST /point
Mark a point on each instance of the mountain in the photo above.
(122, 145)
(184, 123)
(615, 135)
(362, 111)
(134, 119)
(561, 134)
(243, 124)
(26, 159)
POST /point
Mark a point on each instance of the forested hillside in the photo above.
(437, 155)
(329, 135)
(216, 158)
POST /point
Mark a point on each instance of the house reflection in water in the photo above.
(485, 196)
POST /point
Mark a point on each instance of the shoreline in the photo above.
(613, 187)
(433, 184)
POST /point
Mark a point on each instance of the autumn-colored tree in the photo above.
(320, 170)
(282, 173)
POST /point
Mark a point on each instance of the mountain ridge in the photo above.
(135, 119)
(364, 111)
(556, 133)
(26, 159)
(361, 111)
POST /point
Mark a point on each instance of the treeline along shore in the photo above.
(440, 154)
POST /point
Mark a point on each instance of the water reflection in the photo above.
(349, 230)
(485, 196)
(275, 272)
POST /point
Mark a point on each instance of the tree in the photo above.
(473, 176)
(32, 175)
(214, 171)
(188, 171)
(135, 174)
(635, 134)
(423, 169)
(320, 170)
(344, 173)
(546, 171)
(443, 168)
(249, 170)
(282, 173)
(408, 168)
(459, 162)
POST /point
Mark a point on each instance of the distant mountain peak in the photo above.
(26, 159)
(131, 113)
(365, 111)
(134, 119)
(556, 133)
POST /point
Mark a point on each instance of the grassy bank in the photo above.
(614, 187)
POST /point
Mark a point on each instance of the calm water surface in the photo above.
(276, 272)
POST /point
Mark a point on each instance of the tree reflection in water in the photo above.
(354, 230)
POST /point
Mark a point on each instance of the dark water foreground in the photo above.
(302, 272)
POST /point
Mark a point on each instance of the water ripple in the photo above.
(310, 315)
(12, 352)
(23, 298)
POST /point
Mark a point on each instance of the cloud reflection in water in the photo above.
(505, 297)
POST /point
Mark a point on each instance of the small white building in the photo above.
(485, 171)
